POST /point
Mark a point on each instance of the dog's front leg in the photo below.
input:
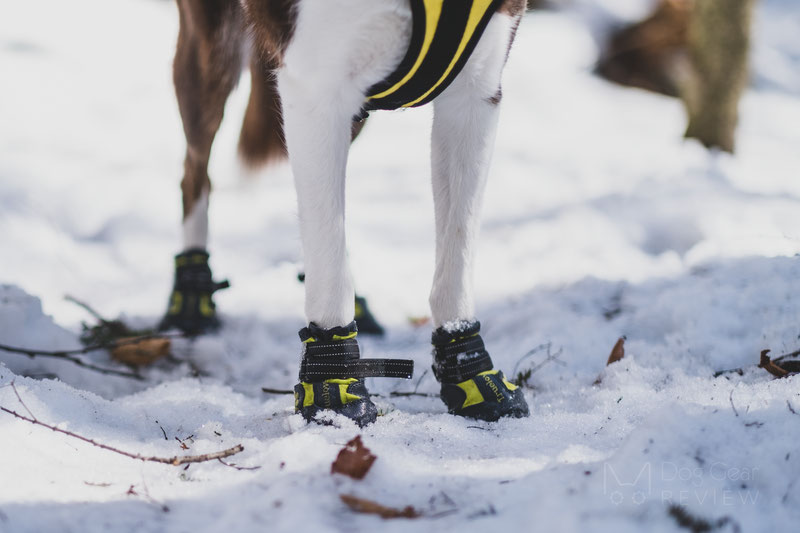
(318, 129)
(464, 128)
(318, 114)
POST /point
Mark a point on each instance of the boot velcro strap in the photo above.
(344, 349)
(461, 359)
(320, 370)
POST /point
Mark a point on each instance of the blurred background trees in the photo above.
(693, 49)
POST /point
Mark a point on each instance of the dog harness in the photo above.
(444, 34)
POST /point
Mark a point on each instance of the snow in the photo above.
(599, 221)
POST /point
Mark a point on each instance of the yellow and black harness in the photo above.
(444, 35)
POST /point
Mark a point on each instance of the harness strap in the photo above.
(444, 35)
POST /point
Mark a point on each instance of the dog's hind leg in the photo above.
(207, 67)
(464, 127)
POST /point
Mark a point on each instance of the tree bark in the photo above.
(719, 42)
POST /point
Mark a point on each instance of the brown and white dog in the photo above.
(313, 62)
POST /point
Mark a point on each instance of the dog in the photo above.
(318, 68)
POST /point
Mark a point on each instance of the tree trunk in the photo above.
(719, 41)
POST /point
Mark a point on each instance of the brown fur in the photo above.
(208, 63)
(272, 25)
(207, 67)
(513, 7)
(261, 139)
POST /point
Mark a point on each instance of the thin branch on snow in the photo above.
(237, 467)
(780, 358)
(786, 356)
(147, 497)
(70, 355)
(175, 461)
(276, 391)
(89, 309)
(400, 394)
(521, 378)
(730, 397)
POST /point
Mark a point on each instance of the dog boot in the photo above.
(191, 305)
(365, 319)
(471, 387)
(332, 374)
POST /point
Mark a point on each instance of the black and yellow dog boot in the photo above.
(367, 323)
(191, 305)
(471, 387)
(332, 374)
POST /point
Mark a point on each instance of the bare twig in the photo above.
(786, 356)
(400, 394)
(767, 364)
(276, 391)
(791, 408)
(19, 398)
(531, 352)
(177, 460)
(551, 357)
(147, 497)
(364, 506)
(70, 355)
(234, 465)
(730, 397)
(89, 309)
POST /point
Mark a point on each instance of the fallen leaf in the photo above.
(767, 364)
(419, 321)
(617, 352)
(141, 353)
(360, 505)
(354, 459)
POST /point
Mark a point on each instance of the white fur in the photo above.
(464, 128)
(195, 225)
(338, 50)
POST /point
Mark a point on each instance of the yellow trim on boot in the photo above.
(345, 396)
(308, 398)
(205, 305)
(510, 386)
(474, 396)
(176, 303)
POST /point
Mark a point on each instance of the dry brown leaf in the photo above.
(767, 364)
(419, 321)
(617, 352)
(360, 505)
(354, 459)
(141, 353)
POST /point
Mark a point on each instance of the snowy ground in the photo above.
(599, 222)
